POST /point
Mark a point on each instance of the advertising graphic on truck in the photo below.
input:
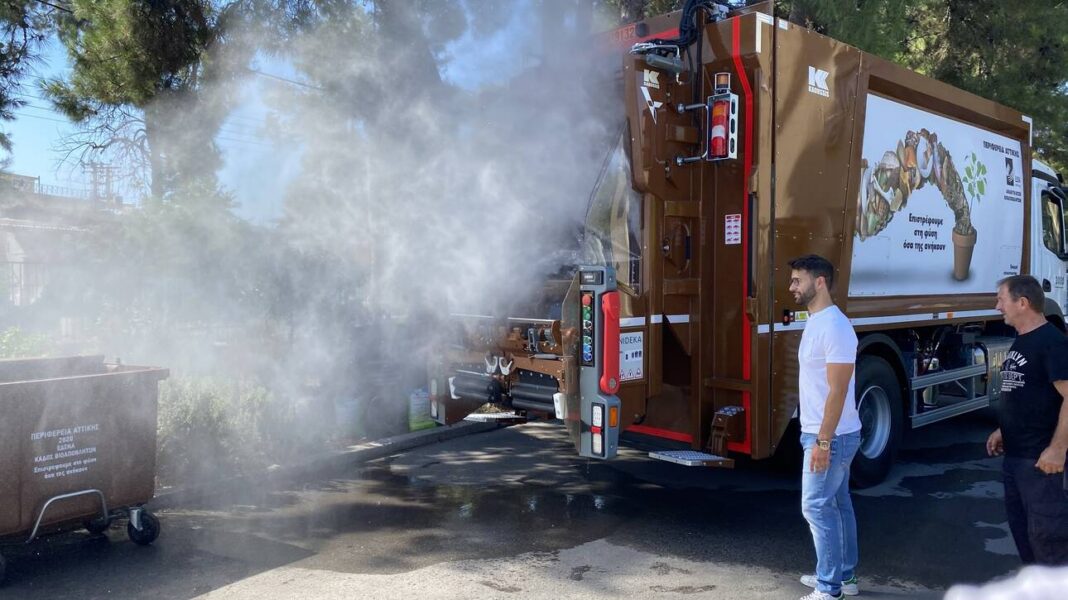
(940, 206)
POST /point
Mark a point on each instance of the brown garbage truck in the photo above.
(747, 141)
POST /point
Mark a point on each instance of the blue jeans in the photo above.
(828, 509)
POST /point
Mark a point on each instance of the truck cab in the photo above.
(1049, 248)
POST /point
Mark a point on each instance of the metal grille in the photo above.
(689, 458)
(23, 283)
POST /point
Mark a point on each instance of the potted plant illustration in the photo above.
(964, 234)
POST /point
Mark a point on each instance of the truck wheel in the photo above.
(149, 530)
(878, 395)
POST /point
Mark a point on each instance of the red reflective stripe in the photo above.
(663, 433)
(595, 430)
(747, 151)
(610, 343)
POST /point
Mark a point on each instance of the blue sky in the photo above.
(38, 131)
(254, 169)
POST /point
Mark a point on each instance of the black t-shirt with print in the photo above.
(1030, 405)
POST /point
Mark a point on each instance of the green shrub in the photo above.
(211, 428)
(14, 343)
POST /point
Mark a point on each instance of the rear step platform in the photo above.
(692, 458)
(507, 418)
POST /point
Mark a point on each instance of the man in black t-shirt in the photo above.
(1034, 425)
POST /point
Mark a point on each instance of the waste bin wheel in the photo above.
(149, 529)
(96, 526)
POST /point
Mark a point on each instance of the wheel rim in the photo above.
(874, 409)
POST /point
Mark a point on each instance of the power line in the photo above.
(39, 107)
(248, 142)
(280, 78)
(21, 114)
(236, 135)
(259, 119)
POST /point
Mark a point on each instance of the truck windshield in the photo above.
(613, 221)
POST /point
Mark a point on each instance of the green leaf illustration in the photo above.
(981, 184)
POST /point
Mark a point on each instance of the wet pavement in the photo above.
(513, 513)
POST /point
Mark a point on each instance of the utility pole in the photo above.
(101, 181)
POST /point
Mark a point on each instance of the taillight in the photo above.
(597, 429)
(717, 133)
(722, 126)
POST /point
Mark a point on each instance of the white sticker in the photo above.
(631, 356)
(651, 104)
(64, 452)
(732, 229)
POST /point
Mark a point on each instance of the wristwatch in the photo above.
(824, 444)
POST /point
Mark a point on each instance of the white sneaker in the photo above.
(818, 595)
(849, 588)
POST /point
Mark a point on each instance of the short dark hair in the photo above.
(1025, 286)
(815, 265)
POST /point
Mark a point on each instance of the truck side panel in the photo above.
(821, 91)
(817, 82)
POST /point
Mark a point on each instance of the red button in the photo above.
(587, 300)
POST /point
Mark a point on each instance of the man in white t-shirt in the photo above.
(830, 428)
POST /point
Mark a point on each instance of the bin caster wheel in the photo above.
(149, 530)
(97, 526)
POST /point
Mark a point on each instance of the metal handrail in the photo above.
(44, 509)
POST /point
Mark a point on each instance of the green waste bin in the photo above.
(419, 410)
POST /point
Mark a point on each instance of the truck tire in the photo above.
(878, 397)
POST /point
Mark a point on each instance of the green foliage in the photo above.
(138, 70)
(23, 25)
(184, 261)
(126, 51)
(14, 343)
(213, 428)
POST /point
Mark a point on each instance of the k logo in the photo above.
(652, 79)
(817, 82)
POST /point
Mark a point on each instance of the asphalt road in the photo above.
(514, 514)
